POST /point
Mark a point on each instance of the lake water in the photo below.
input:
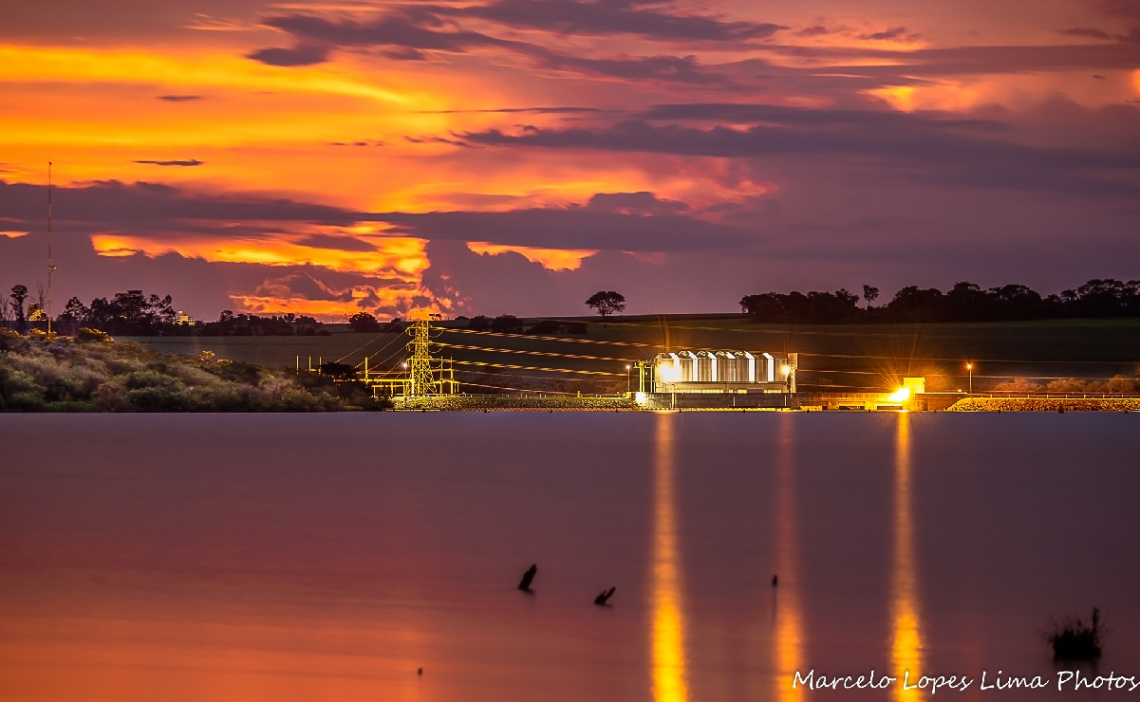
(328, 557)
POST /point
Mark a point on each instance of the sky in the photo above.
(516, 156)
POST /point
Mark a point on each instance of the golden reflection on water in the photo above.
(668, 634)
(906, 626)
(789, 648)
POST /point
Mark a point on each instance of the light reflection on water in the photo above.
(668, 633)
(906, 619)
(254, 557)
(790, 645)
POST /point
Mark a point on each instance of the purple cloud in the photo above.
(893, 33)
(1085, 32)
(943, 152)
(609, 17)
(401, 30)
(300, 55)
(186, 162)
(643, 203)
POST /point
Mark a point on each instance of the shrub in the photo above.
(1073, 641)
(87, 334)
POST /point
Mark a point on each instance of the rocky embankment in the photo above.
(1046, 404)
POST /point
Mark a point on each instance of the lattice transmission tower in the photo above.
(420, 373)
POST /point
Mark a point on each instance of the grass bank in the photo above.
(95, 373)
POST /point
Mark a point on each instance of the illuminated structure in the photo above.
(425, 375)
(419, 365)
(422, 370)
(719, 372)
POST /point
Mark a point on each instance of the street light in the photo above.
(970, 368)
(627, 367)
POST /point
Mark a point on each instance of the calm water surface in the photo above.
(302, 557)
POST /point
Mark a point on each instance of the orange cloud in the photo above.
(397, 263)
(403, 258)
(550, 259)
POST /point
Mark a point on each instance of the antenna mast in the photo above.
(50, 265)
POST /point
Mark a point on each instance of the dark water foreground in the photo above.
(327, 557)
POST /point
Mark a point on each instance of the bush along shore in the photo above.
(91, 372)
(1046, 404)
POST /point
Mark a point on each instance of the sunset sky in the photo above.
(515, 156)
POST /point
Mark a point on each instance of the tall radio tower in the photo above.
(50, 265)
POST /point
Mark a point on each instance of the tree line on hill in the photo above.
(965, 302)
(134, 313)
(503, 324)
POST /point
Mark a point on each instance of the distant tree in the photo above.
(1016, 302)
(1104, 298)
(912, 304)
(1017, 385)
(1120, 383)
(363, 323)
(795, 307)
(1066, 385)
(479, 322)
(606, 302)
(75, 314)
(19, 294)
(547, 326)
(870, 294)
(506, 324)
(339, 371)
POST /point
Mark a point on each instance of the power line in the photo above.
(539, 353)
(534, 368)
(548, 338)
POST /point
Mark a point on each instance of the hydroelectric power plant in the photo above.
(717, 379)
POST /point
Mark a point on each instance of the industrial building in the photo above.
(720, 372)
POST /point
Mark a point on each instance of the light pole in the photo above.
(970, 368)
(627, 386)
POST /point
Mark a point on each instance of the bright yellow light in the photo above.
(969, 366)
(785, 369)
(900, 395)
(668, 373)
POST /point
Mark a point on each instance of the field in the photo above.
(839, 357)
